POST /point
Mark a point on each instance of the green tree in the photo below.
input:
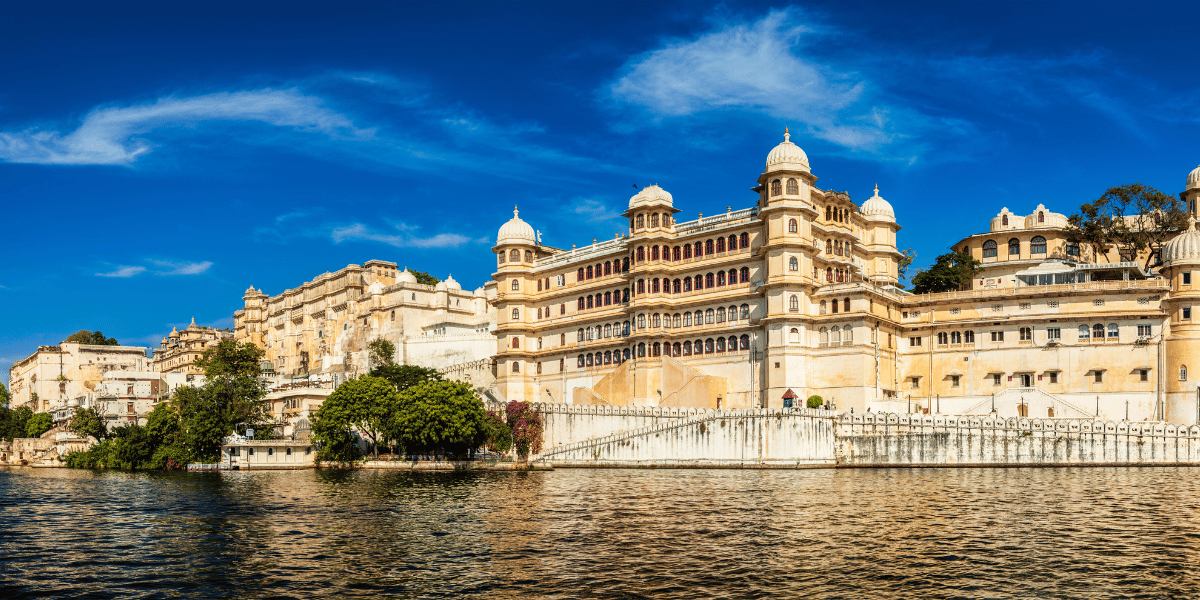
(382, 353)
(332, 427)
(815, 401)
(38, 424)
(904, 262)
(208, 414)
(443, 415)
(230, 357)
(1133, 218)
(425, 278)
(88, 422)
(132, 447)
(368, 404)
(952, 271)
(163, 426)
(405, 376)
(499, 436)
(94, 338)
(526, 425)
(4, 396)
(13, 421)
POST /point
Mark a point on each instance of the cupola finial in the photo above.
(787, 137)
(1192, 223)
(514, 211)
(877, 189)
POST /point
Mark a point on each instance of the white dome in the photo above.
(1048, 219)
(1193, 180)
(1185, 246)
(516, 231)
(878, 209)
(406, 276)
(451, 283)
(375, 289)
(651, 194)
(787, 156)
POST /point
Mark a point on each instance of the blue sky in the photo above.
(158, 159)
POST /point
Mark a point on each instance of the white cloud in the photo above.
(404, 237)
(123, 271)
(593, 210)
(763, 67)
(180, 268)
(119, 135)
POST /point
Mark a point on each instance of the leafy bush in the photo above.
(526, 425)
(38, 424)
(815, 401)
(499, 435)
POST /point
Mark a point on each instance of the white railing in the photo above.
(738, 216)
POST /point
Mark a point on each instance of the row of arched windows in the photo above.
(956, 337)
(845, 305)
(514, 255)
(838, 248)
(1097, 331)
(653, 218)
(601, 269)
(544, 313)
(837, 214)
(700, 317)
(833, 275)
(599, 300)
(697, 283)
(607, 357)
(793, 187)
(599, 332)
(836, 335)
(698, 249)
(1037, 245)
(732, 343)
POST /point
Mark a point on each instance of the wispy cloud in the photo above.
(180, 268)
(120, 135)
(404, 236)
(594, 210)
(123, 271)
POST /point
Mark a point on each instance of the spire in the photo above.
(514, 211)
(1192, 223)
(877, 189)
(787, 137)
(193, 321)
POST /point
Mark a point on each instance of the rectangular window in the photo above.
(916, 383)
(1053, 333)
(1187, 313)
(1145, 374)
(1144, 331)
(1099, 376)
(1053, 377)
(914, 341)
(996, 378)
(997, 336)
(1187, 278)
(954, 380)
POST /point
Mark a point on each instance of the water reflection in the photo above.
(932, 533)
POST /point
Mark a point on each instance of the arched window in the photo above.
(687, 284)
(846, 305)
(793, 187)
(591, 333)
(745, 311)
(656, 320)
(580, 304)
(516, 367)
(641, 221)
(828, 213)
(794, 335)
(824, 335)
(793, 226)
(654, 220)
(676, 320)
(1004, 220)
(989, 249)
(744, 342)
(641, 321)
(955, 337)
(835, 335)
(514, 255)
(516, 314)
(516, 285)
(654, 286)
(655, 350)
(794, 303)
(840, 276)
(641, 286)
(539, 285)
(528, 256)
(687, 319)
(607, 298)
(625, 325)
(699, 318)
(1183, 372)
(733, 313)
(710, 316)
(1037, 245)
(1084, 332)
(580, 361)
(676, 286)
(744, 240)
(608, 268)
(579, 275)
(834, 304)
(848, 334)
(720, 244)
(590, 302)
(744, 274)
(720, 277)
(829, 274)
(829, 247)
(943, 338)
(698, 249)
(708, 280)
(776, 188)
(641, 254)
(591, 360)
(793, 264)
(720, 344)
(698, 347)
(589, 272)
(824, 307)
(501, 255)
(1113, 331)
(676, 349)
(733, 242)
(708, 246)
(1014, 247)
(721, 314)
(608, 330)
(1041, 217)
(708, 346)
(641, 350)
(607, 357)
(687, 348)
(698, 282)
(516, 342)
(1098, 331)
(653, 252)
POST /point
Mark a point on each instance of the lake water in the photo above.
(579, 533)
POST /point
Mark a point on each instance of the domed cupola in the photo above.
(406, 276)
(787, 156)
(878, 209)
(651, 195)
(516, 231)
(451, 283)
(1193, 180)
(1185, 248)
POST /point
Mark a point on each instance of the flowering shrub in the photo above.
(526, 426)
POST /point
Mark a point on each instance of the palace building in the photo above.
(797, 295)
(177, 353)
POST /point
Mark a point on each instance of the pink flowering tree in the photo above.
(526, 426)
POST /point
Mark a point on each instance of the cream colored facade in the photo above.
(55, 376)
(797, 292)
(177, 353)
(321, 329)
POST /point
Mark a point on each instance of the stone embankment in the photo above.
(594, 436)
